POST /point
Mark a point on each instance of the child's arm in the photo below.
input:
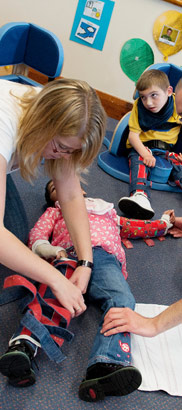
(45, 250)
(144, 152)
(126, 320)
(137, 228)
(39, 236)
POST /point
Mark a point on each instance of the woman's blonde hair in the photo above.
(153, 77)
(65, 108)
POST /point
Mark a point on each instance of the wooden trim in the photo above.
(36, 76)
(114, 107)
(177, 2)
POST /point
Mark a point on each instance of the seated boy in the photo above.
(154, 126)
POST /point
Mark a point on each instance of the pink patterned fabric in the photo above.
(104, 229)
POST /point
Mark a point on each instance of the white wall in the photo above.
(130, 19)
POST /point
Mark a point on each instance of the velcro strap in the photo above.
(17, 280)
(127, 243)
(149, 242)
(67, 266)
(43, 333)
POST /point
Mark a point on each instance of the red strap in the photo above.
(59, 309)
(35, 307)
(149, 242)
(161, 238)
(127, 243)
(17, 280)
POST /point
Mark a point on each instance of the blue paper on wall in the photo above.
(91, 22)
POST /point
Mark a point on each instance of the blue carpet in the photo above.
(154, 277)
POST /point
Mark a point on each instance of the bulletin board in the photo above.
(91, 22)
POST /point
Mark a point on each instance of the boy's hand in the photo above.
(81, 277)
(180, 157)
(149, 159)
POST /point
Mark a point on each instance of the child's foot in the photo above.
(16, 364)
(108, 379)
(136, 206)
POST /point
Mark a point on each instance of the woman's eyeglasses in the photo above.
(58, 147)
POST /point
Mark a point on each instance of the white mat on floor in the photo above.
(159, 358)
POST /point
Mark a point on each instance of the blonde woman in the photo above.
(64, 124)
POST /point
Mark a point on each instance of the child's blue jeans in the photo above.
(107, 288)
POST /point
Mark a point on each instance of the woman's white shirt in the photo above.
(10, 113)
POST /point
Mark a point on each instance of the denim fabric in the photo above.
(31, 325)
(139, 173)
(15, 218)
(175, 178)
(108, 288)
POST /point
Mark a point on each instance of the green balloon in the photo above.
(136, 55)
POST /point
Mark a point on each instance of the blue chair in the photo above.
(114, 161)
(25, 45)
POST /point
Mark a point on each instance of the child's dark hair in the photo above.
(47, 194)
(49, 202)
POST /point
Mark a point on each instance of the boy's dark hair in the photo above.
(47, 194)
(152, 77)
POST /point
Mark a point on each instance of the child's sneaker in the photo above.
(136, 206)
(16, 364)
(108, 379)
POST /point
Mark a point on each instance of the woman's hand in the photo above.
(176, 231)
(119, 320)
(69, 295)
(81, 277)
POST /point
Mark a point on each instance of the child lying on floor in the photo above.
(109, 371)
(128, 228)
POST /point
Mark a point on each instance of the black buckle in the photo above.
(158, 144)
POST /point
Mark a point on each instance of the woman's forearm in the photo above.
(16, 256)
(76, 218)
(169, 318)
(74, 211)
(126, 320)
